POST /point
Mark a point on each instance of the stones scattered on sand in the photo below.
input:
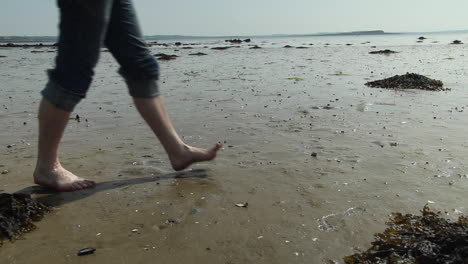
(302, 47)
(155, 43)
(224, 48)
(422, 38)
(198, 54)
(255, 47)
(428, 238)
(168, 223)
(456, 42)
(162, 56)
(40, 45)
(287, 46)
(233, 40)
(85, 251)
(384, 52)
(17, 213)
(238, 40)
(408, 81)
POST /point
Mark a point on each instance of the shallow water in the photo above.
(302, 209)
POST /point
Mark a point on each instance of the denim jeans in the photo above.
(87, 25)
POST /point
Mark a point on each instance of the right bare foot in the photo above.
(61, 179)
(189, 155)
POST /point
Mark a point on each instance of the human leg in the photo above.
(49, 172)
(82, 25)
(140, 70)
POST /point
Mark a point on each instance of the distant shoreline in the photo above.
(51, 39)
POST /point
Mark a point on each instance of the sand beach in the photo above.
(321, 159)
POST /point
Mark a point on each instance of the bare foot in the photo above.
(190, 155)
(61, 180)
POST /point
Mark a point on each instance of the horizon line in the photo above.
(360, 32)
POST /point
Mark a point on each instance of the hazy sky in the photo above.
(251, 17)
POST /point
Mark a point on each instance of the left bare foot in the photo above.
(191, 155)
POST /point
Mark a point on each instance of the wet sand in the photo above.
(378, 151)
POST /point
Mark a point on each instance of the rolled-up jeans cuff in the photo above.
(55, 94)
(145, 88)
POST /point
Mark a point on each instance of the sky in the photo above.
(254, 17)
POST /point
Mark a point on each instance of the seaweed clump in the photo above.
(418, 239)
(162, 56)
(18, 211)
(408, 81)
(385, 52)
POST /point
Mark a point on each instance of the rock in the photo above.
(198, 54)
(287, 46)
(256, 47)
(385, 52)
(178, 43)
(408, 81)
(5, 172)
(456, 42)
(162, 56)
(247, 40)
(233, 40)
(421, 38)
(221, 48)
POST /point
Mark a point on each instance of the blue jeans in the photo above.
(87, 25)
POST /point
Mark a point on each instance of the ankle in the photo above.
(43, 166)
(178, 151)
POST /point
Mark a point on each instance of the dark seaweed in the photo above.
(162, 56)
(17, 213)
(428, 238)
(408, 81)
(385, 52)
(198, 54)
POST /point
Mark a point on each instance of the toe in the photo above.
(91, 183)
(84, 184)
(217, 146)
(76, 186)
